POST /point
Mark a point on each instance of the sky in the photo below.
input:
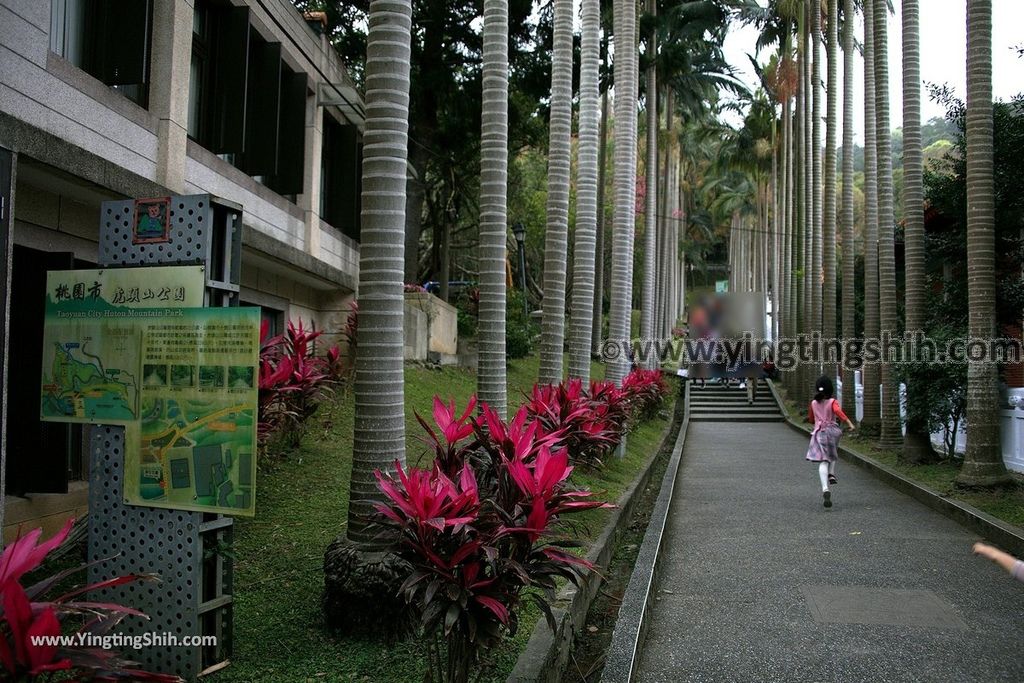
(943, 56)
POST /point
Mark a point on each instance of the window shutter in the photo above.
(347, 180)
(229, 87)
(263, 108)
(122, 46)
(292, 134)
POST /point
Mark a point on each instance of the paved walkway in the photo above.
(761, 583)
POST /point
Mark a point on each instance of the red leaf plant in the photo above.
(293, 379)
(30, 622)
(645, 391)
(590, 426)
(479, 528)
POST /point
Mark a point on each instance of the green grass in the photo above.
(301, 507)
(1007, 505)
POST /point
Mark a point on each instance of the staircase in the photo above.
(716, 403)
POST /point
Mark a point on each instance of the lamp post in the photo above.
(519, 230)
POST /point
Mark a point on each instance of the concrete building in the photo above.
(107, 99)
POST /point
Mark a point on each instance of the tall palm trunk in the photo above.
(849, 250)
(828, 310)
(807, 246)
(816, 175)
(872, 402)
(892, 431)
(491, 375)
(586, 194)
(917, 444)
(651, 203)
(787, 221)
(552, 338)
(983, 462)
(599, 251)
(362, 579)
(379, 434)
(625, 185)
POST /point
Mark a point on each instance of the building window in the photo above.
(245, 104)
(108, 39)
(340, 178)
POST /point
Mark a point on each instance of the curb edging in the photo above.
(547, 653)
(628, 636)
(1005, 535)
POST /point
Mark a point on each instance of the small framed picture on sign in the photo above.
(152, 221)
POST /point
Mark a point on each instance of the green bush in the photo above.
(520, 331)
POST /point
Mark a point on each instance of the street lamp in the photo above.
(519, 230)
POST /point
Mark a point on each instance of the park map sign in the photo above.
(134, 347)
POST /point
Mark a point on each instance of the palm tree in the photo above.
(360, 580)
(586, 194)
(872, 402)
(625, 183)
(491, 375)
(651, 215)
(917, 444)
(892, 432)
(849, 286)
(983, 462)
(599, 255)
(828, 310)
(816, 174)
(552, 339)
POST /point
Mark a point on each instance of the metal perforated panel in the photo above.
(139, 539)
(185, 548)
(190, 234)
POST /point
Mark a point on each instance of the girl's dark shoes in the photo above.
(832, 481)
(827, 495)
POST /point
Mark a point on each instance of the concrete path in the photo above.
(760, 583)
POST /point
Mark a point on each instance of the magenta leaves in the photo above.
(293, 379)
(481, 526)
(27, 616)
(645, 391)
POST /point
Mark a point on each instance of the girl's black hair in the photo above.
(823, 388)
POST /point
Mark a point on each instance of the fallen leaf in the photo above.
(855, 533)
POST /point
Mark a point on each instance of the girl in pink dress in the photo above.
(823, 449)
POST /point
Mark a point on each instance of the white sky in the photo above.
(943, 56)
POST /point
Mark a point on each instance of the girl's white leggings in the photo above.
(824, 469)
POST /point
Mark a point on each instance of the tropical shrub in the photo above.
(588, 427)
(30, 613)
(479, 528)
(293, 380)
(645, 390)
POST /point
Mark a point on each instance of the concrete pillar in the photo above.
(309, 200)
(169, 72)
(8, 163)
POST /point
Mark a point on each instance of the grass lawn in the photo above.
(279, 634)
(1005, 505)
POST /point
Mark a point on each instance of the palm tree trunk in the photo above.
(651, 203)
(581, 321)
(828, 310)
(807, 246)
(917, 444)
(625, 185)
(379, 434)
(552, 339)
(492, 360)
(983, 462)
(361, 577)
(871, 422)
(816, 175)
(599, 251)
(849, 253)
(892, 431)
